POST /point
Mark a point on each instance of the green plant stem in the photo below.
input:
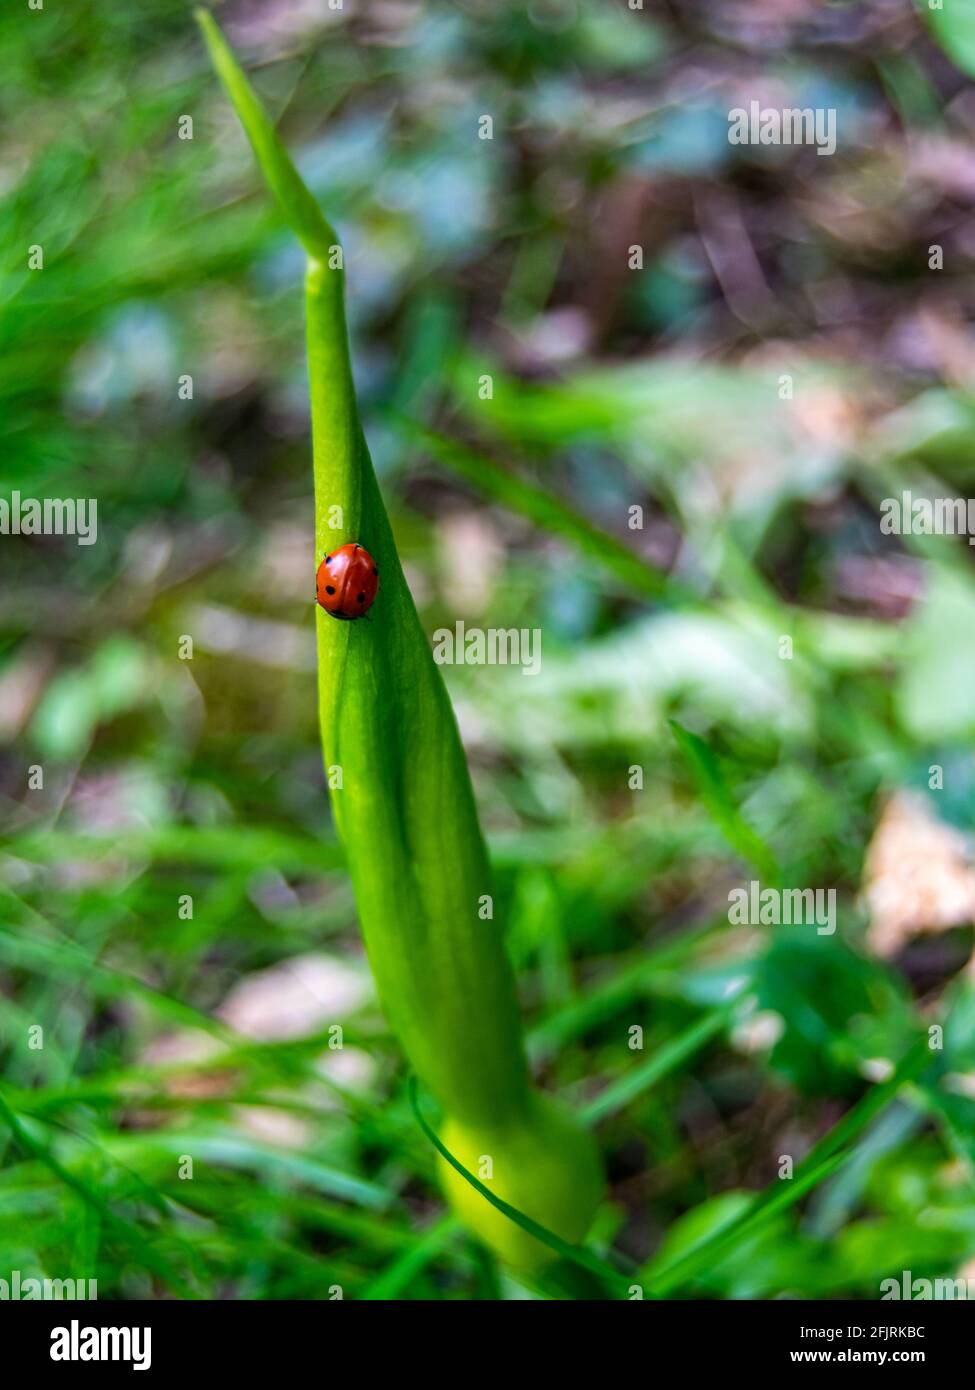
(402, 796)
(405, 811)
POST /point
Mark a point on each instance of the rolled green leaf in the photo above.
(403, 802)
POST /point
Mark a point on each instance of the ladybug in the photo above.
(347, 582)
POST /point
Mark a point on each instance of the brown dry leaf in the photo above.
(947, 164)
(919, 875)
(293, 999)
(21, 686)
(471, 558)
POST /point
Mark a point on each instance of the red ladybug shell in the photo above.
(347, 582)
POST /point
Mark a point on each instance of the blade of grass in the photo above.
(130, 1235)
(626, 1088)
(823, 1160)
(225, 847)
(230, 1149)
(618, 988)
(391, 1282)
(716, 795)
(546, 511)
(577, 1254)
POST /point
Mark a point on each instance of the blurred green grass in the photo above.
(165, 778)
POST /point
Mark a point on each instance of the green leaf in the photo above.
(935, 690)
(300, 210)
(838, 1009)
(405, 807)
(405, 811)
(77, 701)
(954, 28)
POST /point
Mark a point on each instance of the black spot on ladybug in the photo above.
(328, 559)
(329, 589)
(361, 598)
